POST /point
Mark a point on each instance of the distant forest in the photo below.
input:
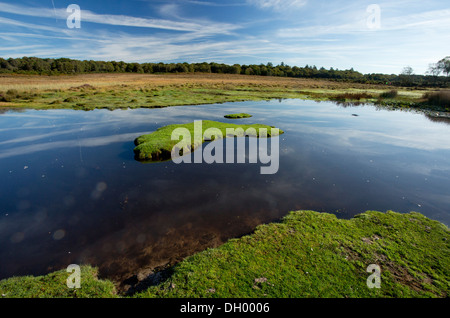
(47, 66)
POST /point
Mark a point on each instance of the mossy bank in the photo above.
(307, 254)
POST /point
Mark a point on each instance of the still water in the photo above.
(72, 193)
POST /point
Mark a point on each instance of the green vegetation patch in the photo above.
(158, 145)
(54, 285)
(441, 98)
(313, 254)
(238, 116)
(308, 254)
(393, 93)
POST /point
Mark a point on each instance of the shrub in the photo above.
(13, 93)
(389, 94)
(5, 98)
(441, 98)
(70, 100)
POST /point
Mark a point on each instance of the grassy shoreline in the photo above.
(124, 91)
(306, 255)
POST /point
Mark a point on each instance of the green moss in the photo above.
(314, 254)
(158, 145)
(54, 285)
(308, 254)
(237, 116)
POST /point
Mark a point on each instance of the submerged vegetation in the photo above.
(158, 145)
(308, 254)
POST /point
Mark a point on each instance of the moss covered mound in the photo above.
(54, 285)
(238, 116)
(313, 254)
(158, 145)
(307, 255)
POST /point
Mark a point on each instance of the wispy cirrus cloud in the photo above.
(33, 26)
(186, 37)
(357, 23)
(215, 4)
(297, 32)
(121, 20)
(278, 5)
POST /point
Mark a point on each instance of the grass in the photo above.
(123, 91)
(158, 145)
(238, 116)
(306, 255)
(389, 94)
(313, 254)
(54, 285)
(352, 96)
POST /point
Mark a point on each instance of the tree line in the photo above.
(48, 66)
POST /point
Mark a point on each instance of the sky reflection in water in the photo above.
(71, 191)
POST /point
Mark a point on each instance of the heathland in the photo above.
(128, 90)
(308, 254)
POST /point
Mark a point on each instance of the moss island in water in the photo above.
(158, 145)
(307, 255)
(238, 116)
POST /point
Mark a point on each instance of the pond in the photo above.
(72, 192)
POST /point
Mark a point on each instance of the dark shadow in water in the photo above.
(438, 119)
(349, 104)
(157, 276)
(4, 110)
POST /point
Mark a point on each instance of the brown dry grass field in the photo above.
(127, 90)
(27, 82)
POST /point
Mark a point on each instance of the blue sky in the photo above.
(339, 34)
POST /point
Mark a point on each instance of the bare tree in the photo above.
(407, 71)
(444, 65)
(406, 75)
(433, 69)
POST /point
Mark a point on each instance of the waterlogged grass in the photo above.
(158, 145)
(138, 92)
(316, 255)
(54, 285)
(123, 91)
(238, 116)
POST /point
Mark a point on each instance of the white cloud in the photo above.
(356, 23)
(278, 5)
(122, 20)
(11, 22)
(85, 142)
(170, 10)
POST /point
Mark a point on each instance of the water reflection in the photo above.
(72, 192)
(439, 119)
